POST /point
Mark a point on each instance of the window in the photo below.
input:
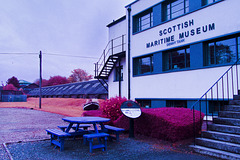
(117, 70)
(176, 103)
(143, 65)
(176, 59)
(175, 8)
(222, 51)
(215, 106)
(207, 2)
(143, 21)
(144, 103)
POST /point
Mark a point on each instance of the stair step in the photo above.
(227, 121)
(236, 97)
(226, 137)
(234, 108)
(220, 145)
(215, 152)
(234, 102)
(229, 114)
(224, 128)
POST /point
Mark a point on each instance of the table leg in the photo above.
(77, 127)
(69, 127)
(103, 129)
(95, 127)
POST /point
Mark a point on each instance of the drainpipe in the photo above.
(129, 45)
(131, 120)
(119, 77)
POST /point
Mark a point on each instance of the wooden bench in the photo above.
(113, 130)
(84, 126)
(90, 137)
(57, 137)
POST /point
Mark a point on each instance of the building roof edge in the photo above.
(131, 4)
(117, 21)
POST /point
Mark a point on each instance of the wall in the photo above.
(115, 31)
(189, 83)
(113, 86)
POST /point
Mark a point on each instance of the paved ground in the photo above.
(23, 136)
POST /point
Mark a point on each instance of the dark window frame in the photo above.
(146, 17)
(169, 63)
(168, 9)
(145, 103)
(116, 74)
(140, 68)
(176, 103)
(208, 54)
(206, 2)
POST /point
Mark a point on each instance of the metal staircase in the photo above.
(222, 137)
(113, 53)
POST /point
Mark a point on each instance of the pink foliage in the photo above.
(10, 87)
(79, 75)
(56, 80)
(111, 107)
(170, 124)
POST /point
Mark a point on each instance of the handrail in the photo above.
(114, 46)
(209, 94)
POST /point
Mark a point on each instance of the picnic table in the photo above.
(75, 123)
(85, 120)
(90, 137)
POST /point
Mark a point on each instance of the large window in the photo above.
(143, 65)
(207, 2)
(222, 51)
(143, 21)
(176, 59)
(175, 8)
(176, 103)
(144, 103)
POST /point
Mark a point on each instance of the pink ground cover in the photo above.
(172, 124)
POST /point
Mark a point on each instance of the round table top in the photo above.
(86, 119)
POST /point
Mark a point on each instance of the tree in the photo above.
(44, 82)
(79, 75)
(10, 87)
(14, 81)
(56, 80)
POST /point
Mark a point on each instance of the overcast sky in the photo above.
(65, 27)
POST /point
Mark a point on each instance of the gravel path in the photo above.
(126, 149)
(23, 133)
(26, 124)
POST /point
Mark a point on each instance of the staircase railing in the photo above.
(114, 46)
(221, 91)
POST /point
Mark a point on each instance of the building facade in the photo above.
(174, 50)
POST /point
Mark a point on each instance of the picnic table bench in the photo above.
(90, 137)
(84, 126)
(113, 130)
(57, 137)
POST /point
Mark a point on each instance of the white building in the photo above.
(171, 51)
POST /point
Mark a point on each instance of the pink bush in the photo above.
(10, 87)
(111, 107)
(170, 124)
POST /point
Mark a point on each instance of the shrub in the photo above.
(111, 107)
(170, 124)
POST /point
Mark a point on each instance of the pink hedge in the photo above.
(171, 124)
